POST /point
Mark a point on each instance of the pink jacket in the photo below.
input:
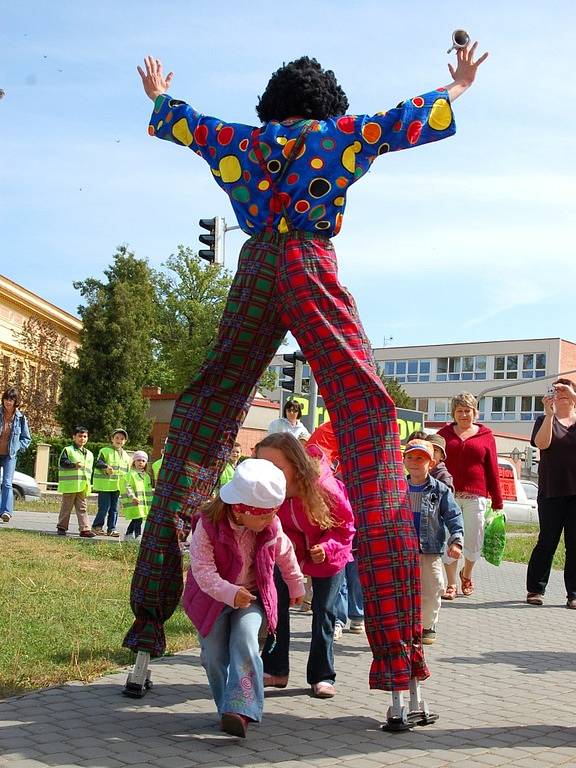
(224, 557)
(337, 541)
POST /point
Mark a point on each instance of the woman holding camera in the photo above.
(291, 422)
(554, 434)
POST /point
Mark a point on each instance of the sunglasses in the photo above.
(293, 408)
(244, 509)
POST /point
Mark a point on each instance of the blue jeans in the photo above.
(350, 603)
(321, 657)
(107, 506)
(7, 465)
(230, 655)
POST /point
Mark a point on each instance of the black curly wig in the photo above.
(302, 89)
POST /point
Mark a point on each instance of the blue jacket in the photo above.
(19, 434)
(438, 512)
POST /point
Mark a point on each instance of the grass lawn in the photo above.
(519, 547)
(51, 504)
(65, 610)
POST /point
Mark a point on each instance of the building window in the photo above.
(421, 404)
(442, 409)
(531, 406)
(534, 366)
(482, 409)
(529, 366)
(467, 368)
(407, 371)
(503, 409)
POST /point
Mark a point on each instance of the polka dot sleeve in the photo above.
(416, 121)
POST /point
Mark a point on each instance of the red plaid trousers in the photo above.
(290, 282)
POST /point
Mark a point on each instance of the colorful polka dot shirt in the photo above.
(311, 194)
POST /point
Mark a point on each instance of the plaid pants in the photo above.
(290, 282)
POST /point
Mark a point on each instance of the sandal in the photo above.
(451, 592)
(467, 585)
(534, 598)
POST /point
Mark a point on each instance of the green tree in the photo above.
(190, 300)
(401, 398)
(104, 390)
(38, 373)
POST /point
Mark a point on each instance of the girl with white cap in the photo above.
(230, 587)
(136, 489)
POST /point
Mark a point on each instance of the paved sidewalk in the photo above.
(503, 681)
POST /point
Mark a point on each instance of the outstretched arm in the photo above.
(465, 72)
(153, 80)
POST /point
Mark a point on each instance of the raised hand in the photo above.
(466, 67)
(153, 80)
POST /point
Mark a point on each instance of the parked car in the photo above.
(518, 506)
(531, 489)
(25, 487)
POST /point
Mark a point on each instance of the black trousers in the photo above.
(555, 515)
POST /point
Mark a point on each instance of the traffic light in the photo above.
(293, 373)
(214, 240)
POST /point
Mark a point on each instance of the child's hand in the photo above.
(317, 553)
(244, 598)
(153, 80)
(296, 600)
(454, 551)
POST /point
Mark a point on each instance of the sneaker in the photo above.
(61, 531)
(305, 607)
(234, 724)
(428, 636)
(114, 534)
(87, 534)
(98, 531)
(337, 631)
(571, 603)
(6, 516)
(275, 681)
(324, 690)
(357, 626)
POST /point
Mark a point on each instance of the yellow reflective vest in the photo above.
(156, 467)
(75, 479)
(136, 490)
(120, 463)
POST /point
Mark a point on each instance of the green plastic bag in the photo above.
(494, 536)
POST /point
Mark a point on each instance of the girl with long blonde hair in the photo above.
(318, 518)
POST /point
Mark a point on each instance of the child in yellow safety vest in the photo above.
(112, 463)
(136, 495)
(74, 474)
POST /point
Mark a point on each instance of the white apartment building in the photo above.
(509, 377)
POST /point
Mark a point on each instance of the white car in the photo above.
(25, 487)
(518, 506)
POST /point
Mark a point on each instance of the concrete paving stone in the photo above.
(174, 762)
(56, 758)
(26, 763)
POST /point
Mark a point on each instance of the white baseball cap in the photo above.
(256, 483)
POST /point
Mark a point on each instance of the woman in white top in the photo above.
(291, 422)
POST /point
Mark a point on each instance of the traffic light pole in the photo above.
(215, 239)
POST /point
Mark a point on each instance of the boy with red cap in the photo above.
(434, 509)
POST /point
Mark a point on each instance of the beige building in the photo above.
(53, 335)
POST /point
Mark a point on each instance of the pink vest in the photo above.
(202, 609)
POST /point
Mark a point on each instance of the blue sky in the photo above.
(467, 239)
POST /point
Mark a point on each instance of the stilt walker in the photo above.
(287, 181)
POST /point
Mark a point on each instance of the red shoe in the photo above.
(87, 534)
(234, 724)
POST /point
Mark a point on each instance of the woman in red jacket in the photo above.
(472, 460)
(317, 517)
